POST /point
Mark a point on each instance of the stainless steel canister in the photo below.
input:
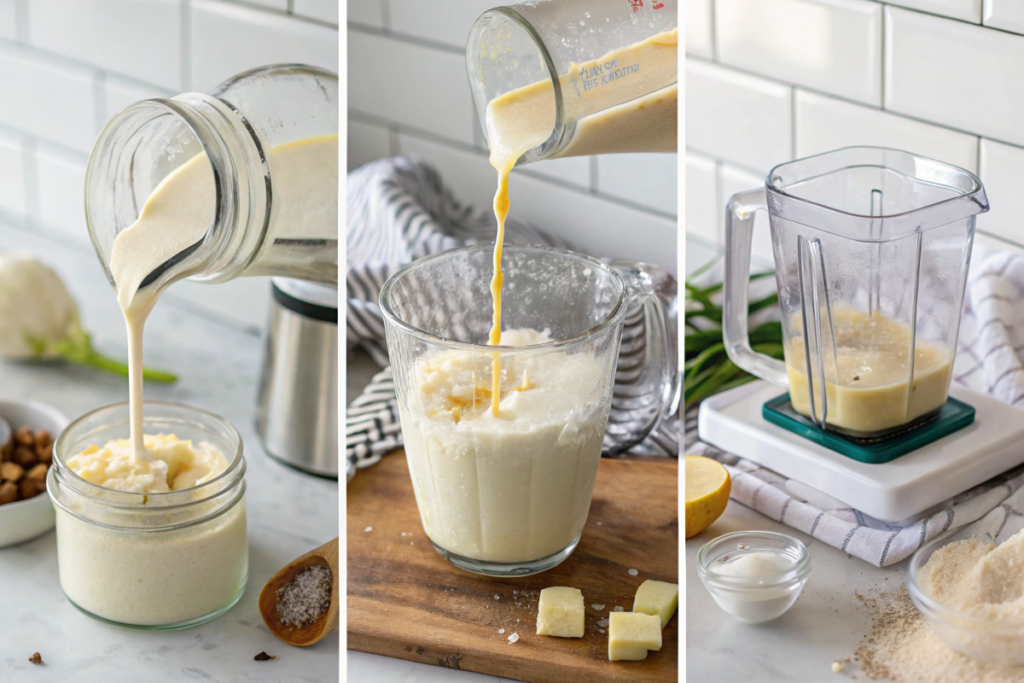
(297, 415)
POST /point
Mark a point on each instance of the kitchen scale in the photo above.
(898, 491)
(872, 248)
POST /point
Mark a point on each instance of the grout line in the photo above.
(847, 100)
(714, 30)
(1004, 240)
(21, 27)
(792, 123)
(882, 60)
(406, 38)
(26, 50)
(186, 46)
(527, 171)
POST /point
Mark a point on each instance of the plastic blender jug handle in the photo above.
(647, 385)
(739, 230)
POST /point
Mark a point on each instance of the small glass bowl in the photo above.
(989, 641)
(760, 599)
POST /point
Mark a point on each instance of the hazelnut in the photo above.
(30, 488)
(8, 492)
(45, 453)
(24, 436)
(43, 440)
(11, 471)
(24, 456)
(37, 472)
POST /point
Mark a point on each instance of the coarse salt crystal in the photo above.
(403, 533)
(617, 609)
(500, 631)
(369, 528)
(513, 638)
(495, 597)
(633, 572)
(603, 623)
(597, 608)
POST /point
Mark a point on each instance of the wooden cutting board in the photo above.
(405, 601)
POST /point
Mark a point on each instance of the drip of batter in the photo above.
(522, 119)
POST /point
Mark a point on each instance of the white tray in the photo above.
(896, 491)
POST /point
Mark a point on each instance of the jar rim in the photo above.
(617, 313)
(234, 470)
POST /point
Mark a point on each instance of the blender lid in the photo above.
(310, 299)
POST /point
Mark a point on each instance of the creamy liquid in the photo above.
(174, 465)
(180, 212)
(868, 388)
(514, 487)
(523, 118)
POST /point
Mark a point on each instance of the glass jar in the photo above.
(160, 561)
(255, 230)
(611, 65)
(509, 495)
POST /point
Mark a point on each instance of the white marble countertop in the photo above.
(826, 623)
(289, 513)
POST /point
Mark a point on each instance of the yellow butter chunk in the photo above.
(657, 598)
(632, 634)
(560, 612)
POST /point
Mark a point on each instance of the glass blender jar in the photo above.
(255, 230)
(871, 249)
(596, 76)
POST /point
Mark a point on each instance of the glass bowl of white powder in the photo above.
(755, 576)
(969, 584)
(131, 555)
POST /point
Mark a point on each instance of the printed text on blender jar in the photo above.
(602, 74)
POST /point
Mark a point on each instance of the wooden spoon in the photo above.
(315, 631)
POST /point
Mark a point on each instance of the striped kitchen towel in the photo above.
(989, 360)
(400, 210)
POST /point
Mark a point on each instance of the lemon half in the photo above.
(707, 493)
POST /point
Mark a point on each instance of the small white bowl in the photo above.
(27, 519)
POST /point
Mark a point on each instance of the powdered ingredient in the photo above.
(303, 599)
(974, 576)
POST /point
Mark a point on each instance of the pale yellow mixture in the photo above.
(523, 118)
(868, 386)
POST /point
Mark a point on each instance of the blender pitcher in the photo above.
(871, 249)
(585, 76)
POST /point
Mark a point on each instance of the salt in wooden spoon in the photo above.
(319, 628)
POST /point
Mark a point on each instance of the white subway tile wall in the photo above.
(933, 77)
(67, 66)
(409, 94)
(1005, 14)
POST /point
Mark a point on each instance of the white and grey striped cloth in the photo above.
(988, 360)
(400, 210)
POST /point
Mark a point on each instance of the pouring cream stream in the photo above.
(522, 119)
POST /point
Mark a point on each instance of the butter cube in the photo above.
(658, 598)
(560, 612)
(632, 634)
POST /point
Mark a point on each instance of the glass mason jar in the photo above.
(509, 495)
(255, 230)
(160, 561)
(605, 71)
